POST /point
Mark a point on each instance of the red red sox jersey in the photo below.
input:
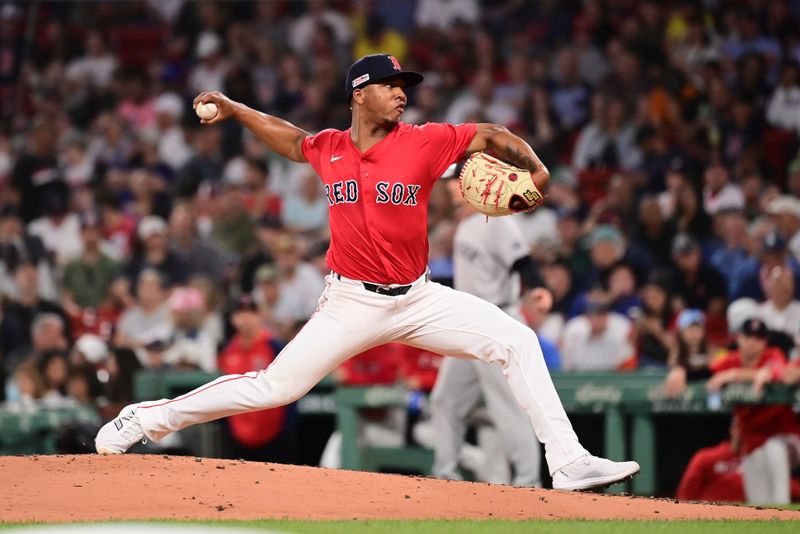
(378, 199)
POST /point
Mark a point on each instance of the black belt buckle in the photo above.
(386, 290)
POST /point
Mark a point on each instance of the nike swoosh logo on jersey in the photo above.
(336, 158)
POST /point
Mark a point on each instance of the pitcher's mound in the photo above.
(96, 488)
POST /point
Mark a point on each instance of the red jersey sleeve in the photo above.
(724, 362)
(446, 144)
(317, 147)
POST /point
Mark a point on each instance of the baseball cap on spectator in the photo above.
(375, 68)
(754, 327)
(186, 299)
(158, 345)
(150, 226)
(773, 243)
(784, 205)
(690, 317)
(738, 312)
(684, 244)
(208, 44)
(93, 348)
(245, 303)
(169, 104)
(605, 232)
(266, 273)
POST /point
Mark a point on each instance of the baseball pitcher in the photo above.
(378, 176)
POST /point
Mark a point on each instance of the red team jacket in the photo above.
(759, 423)
(378, 199)
(252, 429)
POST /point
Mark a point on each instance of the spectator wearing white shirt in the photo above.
(781, 311)
(300, 284)
(480, 100)
(303, 30)
(441, 14)
(609, 140)
(96, 66)
(209, 73)
(59, 230)
(785, 211)
(719, 193)
(783, 109)
(190, 346)
(598, 340)
(173, 149)
(306, 210)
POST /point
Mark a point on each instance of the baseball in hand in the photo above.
(206, 111)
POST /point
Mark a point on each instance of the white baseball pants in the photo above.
(458, 390)
(351, 319)
(767, 471)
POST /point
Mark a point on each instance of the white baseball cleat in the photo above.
(121, 433)
(589, 472)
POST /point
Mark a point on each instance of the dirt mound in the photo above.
(73, 488)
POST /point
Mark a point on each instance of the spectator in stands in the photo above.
(206, 165)
(307, 210)
(695, 283)
(198, 254)
(730, 255)
(558, 279)
(95, 68)
(17, 244)
(719, 192)
(785, 211)
(548, 328)
(690, 355)
(252, 348)
(190, 347)
(58, 229)
(19, 314)
(781, 310)
(571, 96)
(597, 340)
(172, 146)
(209, 72)
(155, 254)
(688, 215)
(148, 319)
(54, 370)
(442, 14)
(234, 229)
(750, 279)
(609, 140)
(26, 389)
(770, 433)
(651, 232)
(479, 100)
(87, 278)
(783, 110)
(300, 284)
(652, 322)
(77, 165)
(35, 175)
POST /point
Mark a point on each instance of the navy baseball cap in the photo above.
(375, 68)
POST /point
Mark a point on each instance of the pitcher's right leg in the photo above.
(336, 332)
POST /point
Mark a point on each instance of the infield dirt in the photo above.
(91, 487)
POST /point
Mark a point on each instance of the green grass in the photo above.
(508, 527)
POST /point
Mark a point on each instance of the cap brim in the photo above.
(410, 78)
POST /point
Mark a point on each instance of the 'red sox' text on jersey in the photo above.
(379, 198)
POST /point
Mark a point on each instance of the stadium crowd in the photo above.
(130, 236)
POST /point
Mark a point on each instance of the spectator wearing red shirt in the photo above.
(770, 434)
(252, 348)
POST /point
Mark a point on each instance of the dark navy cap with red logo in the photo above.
(375, 68)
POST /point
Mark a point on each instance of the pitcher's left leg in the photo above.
(454, 323)
(446, 321)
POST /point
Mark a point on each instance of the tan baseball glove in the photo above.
(495, 188)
